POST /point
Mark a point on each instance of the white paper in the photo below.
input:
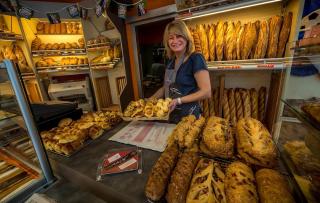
(114, 157)
(127, 163)
(150, 135)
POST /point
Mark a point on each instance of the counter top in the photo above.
(81, 168)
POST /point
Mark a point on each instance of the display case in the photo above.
(24, 167)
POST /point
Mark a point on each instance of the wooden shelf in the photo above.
(58, 52)
(10, 36)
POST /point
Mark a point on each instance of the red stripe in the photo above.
(143, 133)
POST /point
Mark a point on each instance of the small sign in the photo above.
(99, 10)
(25, 12)
(54, 18)
(73, 11)
(122, 11)
(265, 66)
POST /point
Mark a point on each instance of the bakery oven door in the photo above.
(151, 56)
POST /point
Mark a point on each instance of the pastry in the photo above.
(246, 103)
(62, 46)
(239, 107)
(262, 43)
(95, 131)
(48, 46)
(220, 35)
(212, 41)
(22, 62)
(272, 187)
(55, 46)
(230, 43)
(217, 138)
(35, 44)
(225, 107)
(46, 28)
(312, 110)
(262, 103)
(274, 31)
(69, 28)
(240, 184)
(160, 173)
(193, 132)
(68, 45)
(181, 177)
(201, 188)
(284, 34)
(255, 144)
(254, 103)
(74, 45)
(232, 107)
(63, 28)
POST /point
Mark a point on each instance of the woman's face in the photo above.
(177, 43)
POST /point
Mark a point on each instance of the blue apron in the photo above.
(173, 90)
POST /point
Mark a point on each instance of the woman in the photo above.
(186, 78)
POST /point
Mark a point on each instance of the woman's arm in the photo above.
(203, 82)
(159, 93)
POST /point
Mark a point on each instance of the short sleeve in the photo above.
(198, 63)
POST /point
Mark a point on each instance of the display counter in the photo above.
(81, 169)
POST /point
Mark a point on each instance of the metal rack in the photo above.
(59, 52)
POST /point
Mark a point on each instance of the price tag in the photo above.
(229, 67)
(114, 157)
(265, 66)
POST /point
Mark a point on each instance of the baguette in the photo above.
(239, 105)
(160, 173)
(46, 28)
(232, 106)
(212, 42)
(240, 36)
(181, 177)
(262, 103)
(220, 31)
(262, 44)
(63, 28)
(246, 103)
(242, 40)
(212, 104)
(216, 101)
(284, 34)
(254, 103)
(249, 40)
(230, 44)
(235, 39)
(196, 40)
(226, 109)
(274, 28)
(203, 41)
(257, 26)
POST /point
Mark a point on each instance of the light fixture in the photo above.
(232, 7)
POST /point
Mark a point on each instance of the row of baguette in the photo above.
(238, 41)
(37, 44)
(237, 103)
(60, 28)
(184, 177)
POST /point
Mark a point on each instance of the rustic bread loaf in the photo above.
(239, 106)
(230, 43)
(262, 103)
(262, 43)
(284, 34)
(225, 107)
(203, 40)
(232, 106)
(220, 32)
(212, 41)
(254, 103)
(274, 30)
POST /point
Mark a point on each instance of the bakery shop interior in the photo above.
(176, 101)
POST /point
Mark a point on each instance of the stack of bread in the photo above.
(14, 52)
(237, 41)
(65, 61)
(60, 28)
(37, 45)
(210, 107)
(150, 108)
(106, 56)
(100, 39)
(70, 135)
(187, 132)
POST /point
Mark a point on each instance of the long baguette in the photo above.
(239, 42)
(275, 26)
(262, 44)
(246, 103)
(257, 26)
(212, 42)
(254, 103)
(220, 31)
(249, 40)
(226, 109)
(203, 41)
(235, 38)
(230, 44)
(262, 103)
(284, 34)
(239, 106)
(160, 173)
(196, 40)
(232, 106)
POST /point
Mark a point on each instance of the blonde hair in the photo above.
(178, 27)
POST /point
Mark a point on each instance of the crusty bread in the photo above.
(245, 95)
(284, 34)
(203, 40)
(262, 103)
(225, 107)
(220, 35)
(212, 41)
(239, 106)
(274, 30)
(240, 36)
(230, 43)
(232, 106)
(254, 103)
(262, 44)
(249, 40)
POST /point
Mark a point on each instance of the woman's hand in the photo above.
(173, 104)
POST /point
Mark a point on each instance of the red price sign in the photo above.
(265, 65)
(229, 67)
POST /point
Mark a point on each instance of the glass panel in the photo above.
(19, 165)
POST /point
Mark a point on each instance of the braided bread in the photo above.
(262, 103)
(35, 44)
(232, 106)
(246, 103)
(238, 105)
(211, 106)
(205, 108)
(254, 103)
(226, 109)
(216, 101)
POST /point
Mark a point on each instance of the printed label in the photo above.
(114, 157)
(128, 163)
